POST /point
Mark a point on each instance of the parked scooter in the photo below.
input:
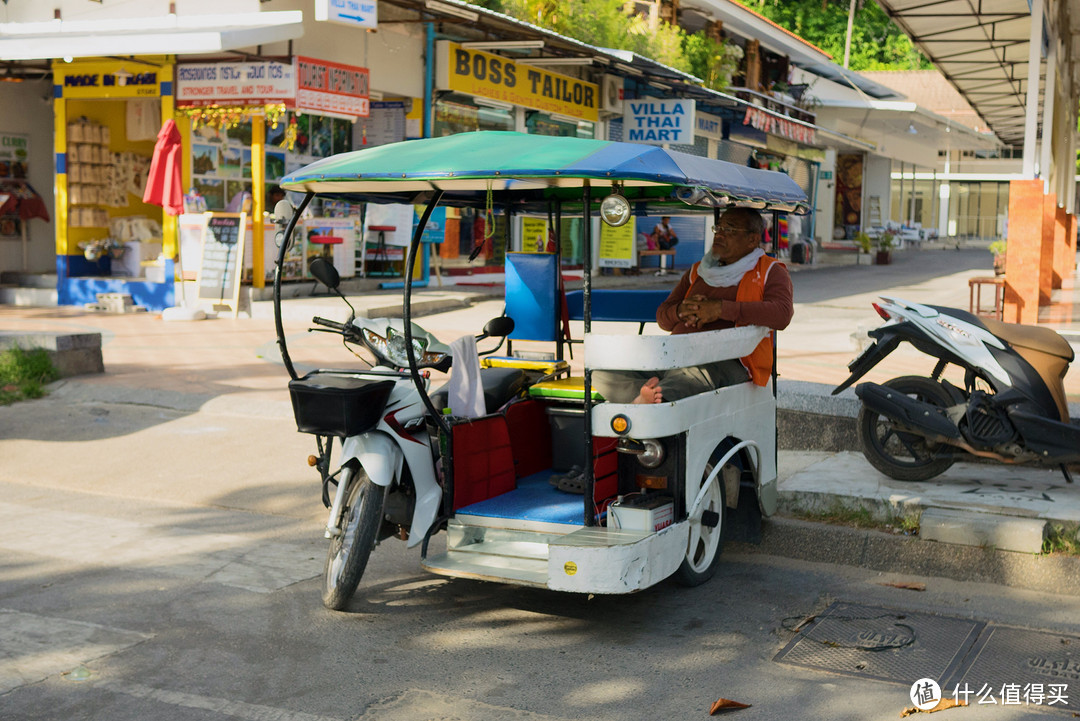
(1012, 407)
(386, 484)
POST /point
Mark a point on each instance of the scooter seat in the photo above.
(1031, 337)
(500, 385)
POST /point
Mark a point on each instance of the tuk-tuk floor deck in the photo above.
(534, 499)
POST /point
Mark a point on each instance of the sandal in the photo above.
(571, 482)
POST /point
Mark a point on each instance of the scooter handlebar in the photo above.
(339, 327)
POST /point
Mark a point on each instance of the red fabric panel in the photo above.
(163, 184)
(530, 437)
(605, 468)
(483, 460)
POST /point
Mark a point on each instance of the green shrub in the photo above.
(24, 373)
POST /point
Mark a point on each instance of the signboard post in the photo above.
(223, 251)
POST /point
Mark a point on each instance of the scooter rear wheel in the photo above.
(897, 453)
(348, 554)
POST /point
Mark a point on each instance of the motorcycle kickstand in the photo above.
(1065, 472)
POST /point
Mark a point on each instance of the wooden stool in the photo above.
(975, 296)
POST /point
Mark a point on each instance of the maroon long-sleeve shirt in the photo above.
(773, 311)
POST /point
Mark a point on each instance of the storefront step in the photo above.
(42, 297)
(28, 280)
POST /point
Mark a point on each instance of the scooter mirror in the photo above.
(325, 273)
(283, 212)
(498, 327)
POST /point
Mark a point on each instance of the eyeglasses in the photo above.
(727, 229)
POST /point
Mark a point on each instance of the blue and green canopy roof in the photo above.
(526, 170)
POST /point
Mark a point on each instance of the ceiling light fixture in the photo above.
(454, 10)
(555, 61)
(912, 129)
(489, 103)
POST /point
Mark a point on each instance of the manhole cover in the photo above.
(883, 644)
(1013, 666)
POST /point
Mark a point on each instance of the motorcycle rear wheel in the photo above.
(899, 454)
(348, 554)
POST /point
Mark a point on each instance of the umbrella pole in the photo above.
(25, 246)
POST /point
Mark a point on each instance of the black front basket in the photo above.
(337, 404)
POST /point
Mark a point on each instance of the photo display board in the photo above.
(222, 253)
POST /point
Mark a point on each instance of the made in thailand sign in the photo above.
(658, 121)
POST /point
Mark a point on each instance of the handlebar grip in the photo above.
(340, 327)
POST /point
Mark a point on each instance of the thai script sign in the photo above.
(474, 72)
(659, 121)
(768, 123)
(234, 83)
(332, 88)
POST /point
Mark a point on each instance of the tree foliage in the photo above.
(876, 42)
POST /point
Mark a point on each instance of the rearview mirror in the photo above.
(325, 273)
(283, 212)
(499, 327)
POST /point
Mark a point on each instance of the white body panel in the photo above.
(657, 352)
(583, 562)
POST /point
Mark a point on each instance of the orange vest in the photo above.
(751, 288)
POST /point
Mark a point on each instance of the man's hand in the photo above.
(697, 310)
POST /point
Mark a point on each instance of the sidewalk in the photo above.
(227, 372)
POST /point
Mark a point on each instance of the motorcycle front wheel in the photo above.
(348, 554)
(897, 453)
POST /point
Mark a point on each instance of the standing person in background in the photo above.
(664, 236)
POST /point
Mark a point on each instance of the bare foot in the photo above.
(651, 392)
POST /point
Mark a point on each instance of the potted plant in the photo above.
(863, 241)
(998, 249)
(885, 243)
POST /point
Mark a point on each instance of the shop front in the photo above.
(479, 90)
(107, 116)
(248, 124)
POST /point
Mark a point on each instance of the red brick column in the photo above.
(1023, 251)
(1046, 256)
(1061, 248)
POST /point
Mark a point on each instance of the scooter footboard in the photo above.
(1053, 440)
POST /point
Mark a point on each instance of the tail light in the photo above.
(881, 311)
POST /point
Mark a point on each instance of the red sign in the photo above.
(766, 122)
(331, 88)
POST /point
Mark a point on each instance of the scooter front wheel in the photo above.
(900, 454)
(348, 554)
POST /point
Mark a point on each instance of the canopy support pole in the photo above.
(590, 506)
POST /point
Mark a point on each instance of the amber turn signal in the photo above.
(312, 460)
(620, 424)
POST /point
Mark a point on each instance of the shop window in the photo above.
(460, 114)
(538, 123)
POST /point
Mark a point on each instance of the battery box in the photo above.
(642, 513)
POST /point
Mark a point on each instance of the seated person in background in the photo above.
(663, 235)
(734, 284)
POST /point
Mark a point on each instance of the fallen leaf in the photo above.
(942, 705)
(908, 586)
(725, 704)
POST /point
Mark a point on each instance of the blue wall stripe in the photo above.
(58, 91)
(61, 163)
(166, 87)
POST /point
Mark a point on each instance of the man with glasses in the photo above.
(734, 284)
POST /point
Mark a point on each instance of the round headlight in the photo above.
(615, 210)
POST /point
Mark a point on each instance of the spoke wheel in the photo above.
(901, 454)
(348, 554)
(705, 543)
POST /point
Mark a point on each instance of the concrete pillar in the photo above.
(753, 65)
(1023, 250)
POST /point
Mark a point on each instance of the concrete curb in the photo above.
(875, 550)
(810, 418)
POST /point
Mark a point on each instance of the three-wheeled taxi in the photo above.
(653, 482)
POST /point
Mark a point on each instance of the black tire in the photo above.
(898, 454)
(348, 554)
(705, 544)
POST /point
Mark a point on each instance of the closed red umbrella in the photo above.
(163, 185)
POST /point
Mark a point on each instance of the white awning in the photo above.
(168, 35)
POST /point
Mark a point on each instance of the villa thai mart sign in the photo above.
(332, 88)
(768, 123)
(659, 121)
(234, 83)
(354, 13)
(474, 72)
(113, 79)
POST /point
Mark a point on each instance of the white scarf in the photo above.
(724, 276)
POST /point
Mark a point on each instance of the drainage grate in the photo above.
(1020, 667)
(883, 644)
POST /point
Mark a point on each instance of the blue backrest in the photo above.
(637, 306)
(532, 295)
